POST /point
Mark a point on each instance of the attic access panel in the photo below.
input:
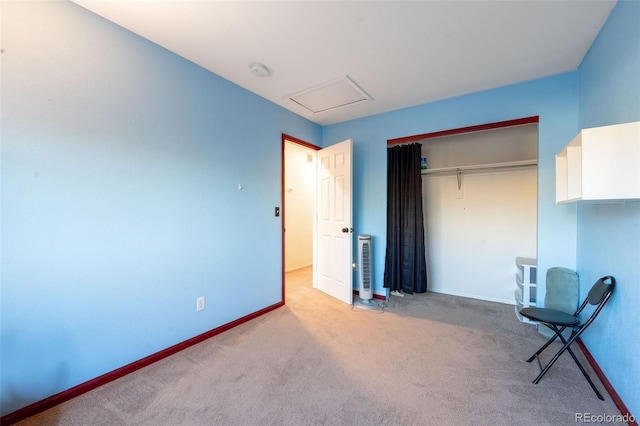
(335, 94)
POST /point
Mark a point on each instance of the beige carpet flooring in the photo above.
(428, 359)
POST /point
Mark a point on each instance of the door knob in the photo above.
(345, 230)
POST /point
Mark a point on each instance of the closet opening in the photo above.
(480, 192)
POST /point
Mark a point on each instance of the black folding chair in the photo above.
(557, 321)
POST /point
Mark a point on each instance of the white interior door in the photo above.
(334, 227)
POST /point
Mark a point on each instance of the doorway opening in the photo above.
(298, 210)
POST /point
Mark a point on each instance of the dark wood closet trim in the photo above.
(469, 129)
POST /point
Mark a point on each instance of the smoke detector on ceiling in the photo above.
(260, 70)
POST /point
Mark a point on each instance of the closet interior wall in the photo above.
(478, 220)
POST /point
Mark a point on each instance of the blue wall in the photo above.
(595, 240)
(120, 205)
(553, 99)
(609, 234)
(120, 166)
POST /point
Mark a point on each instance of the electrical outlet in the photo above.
(200, 303)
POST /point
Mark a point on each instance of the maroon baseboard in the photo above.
(52, 401)
(605, 382)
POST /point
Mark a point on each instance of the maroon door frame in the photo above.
(287, 138)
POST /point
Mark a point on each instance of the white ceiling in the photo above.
(400, 53)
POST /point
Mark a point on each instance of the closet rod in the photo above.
(458, 169)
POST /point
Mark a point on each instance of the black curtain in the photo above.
(405, 267)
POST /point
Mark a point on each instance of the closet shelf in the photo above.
(504, 165)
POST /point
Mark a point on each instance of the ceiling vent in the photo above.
(332, 95)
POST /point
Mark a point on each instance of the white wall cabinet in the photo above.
(526, 279)
(600, 164)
